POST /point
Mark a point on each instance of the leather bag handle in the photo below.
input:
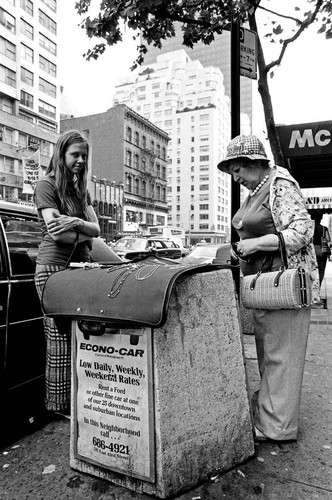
(284, 263)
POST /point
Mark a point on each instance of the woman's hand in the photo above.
(61, 223)
(266, 243)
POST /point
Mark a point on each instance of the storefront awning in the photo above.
(307, 148)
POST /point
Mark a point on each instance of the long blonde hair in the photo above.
(62, 177)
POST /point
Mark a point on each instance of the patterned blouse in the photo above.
(291, 217)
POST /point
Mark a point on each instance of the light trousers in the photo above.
(281, 343)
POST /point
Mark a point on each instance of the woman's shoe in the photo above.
(259, 436)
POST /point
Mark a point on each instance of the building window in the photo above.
(7, 76)
(26, 29)
(129, 158)
(47, 125)
(47, 22)
(51, 4)
(204, 216)
(149, 219)
(7, 48)
(27, 53)
(47, 66)
(204, 226)
(6, 105)
(137, 186)
(47, 87)
(7, 20)
(204, 187)
(137, 138)
(204, 158)
(136, 161)
(7, 164)
(128, 134)
(27, 5)
(47, 44)
(25, 116)
(128, 184)
(47, 109)
(26, 99)
(45, 148)
(27, 76)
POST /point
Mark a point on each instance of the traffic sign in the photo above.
(248, 53)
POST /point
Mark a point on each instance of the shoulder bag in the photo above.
(283, 289)
(325, 242)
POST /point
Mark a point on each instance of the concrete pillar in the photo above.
(202, 420)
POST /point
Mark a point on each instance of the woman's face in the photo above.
(76, 157)
(246, 175)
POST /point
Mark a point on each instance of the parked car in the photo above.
(22, 341)
(184, 251)
(205, 253)
(130, 247)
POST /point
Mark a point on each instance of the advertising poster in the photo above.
(32, 172)
(114, 403)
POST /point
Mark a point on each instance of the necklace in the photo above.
(257, 188)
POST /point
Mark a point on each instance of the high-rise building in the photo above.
(29, 89)
(188, 101)
(128, 170)
(218, 54)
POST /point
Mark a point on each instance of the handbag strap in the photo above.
(283, 266)
(73, 250)
(282, 248)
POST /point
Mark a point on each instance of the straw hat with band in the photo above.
(243, 146)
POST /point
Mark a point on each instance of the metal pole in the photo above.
(235, 123)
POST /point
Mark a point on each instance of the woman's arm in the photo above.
(64, 228)
(291, 216)
(266, 243)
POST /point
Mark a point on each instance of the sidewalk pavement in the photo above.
(37, 467)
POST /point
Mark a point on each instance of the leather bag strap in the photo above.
(282, 248)
(284, 263)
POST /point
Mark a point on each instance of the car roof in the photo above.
(17, 208)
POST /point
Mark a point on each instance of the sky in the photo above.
(300, 89)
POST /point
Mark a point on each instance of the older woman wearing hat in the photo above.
(274, 204)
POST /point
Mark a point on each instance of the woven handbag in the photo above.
(283, 289)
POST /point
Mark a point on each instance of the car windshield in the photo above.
(170, 244)
(130, 244)
(204, 251)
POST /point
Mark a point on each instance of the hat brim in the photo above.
(224, 165)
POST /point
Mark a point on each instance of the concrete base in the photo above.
(202, 413)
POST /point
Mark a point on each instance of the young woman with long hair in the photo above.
(68, 223)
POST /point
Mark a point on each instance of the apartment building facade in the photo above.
(217, 54)
(128, 169)
(29, 90)
(188, 101)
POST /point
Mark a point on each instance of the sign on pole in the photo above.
(248, 53)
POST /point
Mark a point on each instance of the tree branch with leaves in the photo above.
(153, 21)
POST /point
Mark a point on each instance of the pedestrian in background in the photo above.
(274, 204)
(68, 224)
(322, 242)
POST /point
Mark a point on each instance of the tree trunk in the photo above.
(263, 88)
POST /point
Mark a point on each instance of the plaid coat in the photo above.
(291, 217)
